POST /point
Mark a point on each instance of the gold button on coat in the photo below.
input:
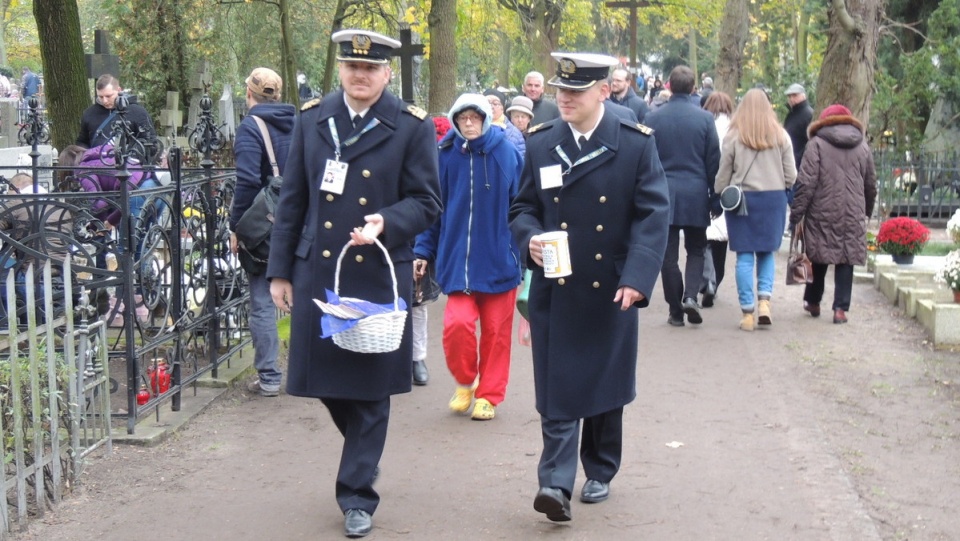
(329, 197)
(366, 173)
(326, 253)
(599, 228)
(363, 200)
(328, 225)
(561, 281)
(598, 257)
(359, 259)
(556, 199)
(563, 225)
(596, 285)
(603, 199)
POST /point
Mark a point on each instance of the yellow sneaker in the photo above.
(483, 410)
(460, 402)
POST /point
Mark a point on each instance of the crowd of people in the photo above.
(469, 201)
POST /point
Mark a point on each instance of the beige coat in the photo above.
(773, 169)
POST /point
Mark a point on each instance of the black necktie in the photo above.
(356, 120)
(581, 142)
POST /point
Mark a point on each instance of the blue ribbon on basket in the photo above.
(331, 325)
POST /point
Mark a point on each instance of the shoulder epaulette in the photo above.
(539, 127)
(646, 130)
(310, 104)
(416, 111)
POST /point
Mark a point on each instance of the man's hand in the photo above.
(419, 268)
(535, 247)
(371, 230)
(626, 296)
(233, 243)
(282, 292)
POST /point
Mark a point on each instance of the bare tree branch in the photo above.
(846, 21)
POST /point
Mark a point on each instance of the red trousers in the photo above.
(495, 312)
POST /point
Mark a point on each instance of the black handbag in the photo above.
(731, 197)
(254, 227)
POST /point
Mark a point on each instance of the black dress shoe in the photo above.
(420, 375)
(594, 491)
(553, 503)
(692, 309)
(707, 300)
(676, 321)
(357, 523)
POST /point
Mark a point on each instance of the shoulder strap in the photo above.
(755, 154)
(267, 142)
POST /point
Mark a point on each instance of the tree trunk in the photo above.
(443, 55)
(61, 48)
(288, 62)
(733, 37)
(331, 64)
(850, 60)
(803, 31)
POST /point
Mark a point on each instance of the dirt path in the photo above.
(807, 431)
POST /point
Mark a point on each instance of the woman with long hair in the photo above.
(757, 155)
(720, 105)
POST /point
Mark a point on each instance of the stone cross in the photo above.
(101, 61)
(171, 117)
(200, 81)
(227, 115)
(407, 51)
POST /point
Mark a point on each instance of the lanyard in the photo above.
(585, 159)
(351, 140)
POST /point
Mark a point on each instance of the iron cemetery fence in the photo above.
(109, 312)
(925, 186)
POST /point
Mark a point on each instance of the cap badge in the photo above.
(567, 67)
(361, 44)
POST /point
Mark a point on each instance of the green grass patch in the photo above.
(938, 248)
(283, 328)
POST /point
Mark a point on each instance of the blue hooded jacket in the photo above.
(471, 243)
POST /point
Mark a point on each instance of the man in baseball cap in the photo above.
(265, 82)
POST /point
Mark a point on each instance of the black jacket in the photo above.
(92, 134)
(633, 102)
(796, 124)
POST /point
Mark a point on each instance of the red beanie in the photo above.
(835, 110)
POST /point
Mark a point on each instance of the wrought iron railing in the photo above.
(925, 186)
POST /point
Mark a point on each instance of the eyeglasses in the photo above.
(470, 117)
(495, 103)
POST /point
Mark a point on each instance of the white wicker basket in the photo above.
(379, 333)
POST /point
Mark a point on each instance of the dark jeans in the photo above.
(674, 289)
(842, 285)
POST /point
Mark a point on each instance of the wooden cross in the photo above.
(407, 51)
(633, 5)
(101, 61)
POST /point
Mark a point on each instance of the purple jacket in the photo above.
(96, 172)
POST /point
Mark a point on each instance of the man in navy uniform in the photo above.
(598, 178)
(362, 166)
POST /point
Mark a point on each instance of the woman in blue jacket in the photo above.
(478, 264)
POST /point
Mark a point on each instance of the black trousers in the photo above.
(600, 449)
(842, 285)
(363, 425)
(674, 289)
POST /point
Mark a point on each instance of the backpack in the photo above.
(254, 227)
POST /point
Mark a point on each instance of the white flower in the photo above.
(953, 227)
(949, 273)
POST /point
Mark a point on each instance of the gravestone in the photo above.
(200, 81)
(101, 61)
(227, 113)
(8, 122)
(171, 117)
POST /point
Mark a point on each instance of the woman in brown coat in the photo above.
(836, 189)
